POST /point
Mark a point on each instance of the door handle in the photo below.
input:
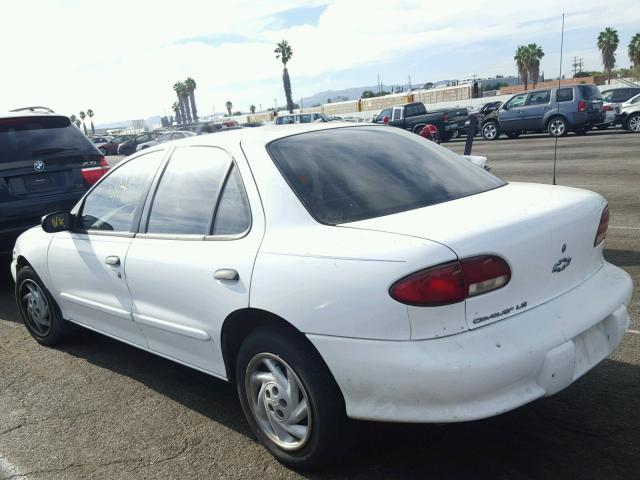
(112, 260)
(226, 274)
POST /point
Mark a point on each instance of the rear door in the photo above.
(41, 162)
(188, 271)
(538, 104)
(86, 265)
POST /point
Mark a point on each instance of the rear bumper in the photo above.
(487, 371)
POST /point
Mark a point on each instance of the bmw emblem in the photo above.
(38, 166)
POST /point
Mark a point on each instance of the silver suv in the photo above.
(555, 110)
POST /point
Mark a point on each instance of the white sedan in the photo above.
(333, 272)
(166, 137)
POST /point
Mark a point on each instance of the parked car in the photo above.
(129, 146)
(165, 137)
(46, 164)
(111, 147)
(613, 100)
(414, 116)
(99, 139)
(287, 119)
(555, 110)
(333, 271)
(630, 115)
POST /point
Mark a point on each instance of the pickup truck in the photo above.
(414, 116)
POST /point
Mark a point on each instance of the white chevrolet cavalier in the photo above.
(333, 272)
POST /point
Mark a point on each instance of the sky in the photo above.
(121, 58)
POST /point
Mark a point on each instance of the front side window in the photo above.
(233, 216)
(113, 204)
(382, 114)
(348, 174)
(540, 98)
(564, 95)
(518, 101)
(188, 190)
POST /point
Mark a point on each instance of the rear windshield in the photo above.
(24, 138)
(589, 92)
(348, 174)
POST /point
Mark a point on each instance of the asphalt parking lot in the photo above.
(96, 408)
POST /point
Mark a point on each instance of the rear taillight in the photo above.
(92, 174)
(452, 282)
(445, 118)
(602, 227)
(607, 108)
(582, 106)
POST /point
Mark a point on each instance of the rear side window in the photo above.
(113, 204)
(233, 215)
(188, 190)
(540, 98)
(26, 138)
(564, 95)
(589, 92)
(348, 174)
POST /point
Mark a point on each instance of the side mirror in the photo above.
(56, 222)
(505, 107)
(385, 119)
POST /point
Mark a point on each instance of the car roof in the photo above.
(27, 113)
(264, 135)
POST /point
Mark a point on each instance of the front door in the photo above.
(188, 270)
(86, 265)
(512, 117)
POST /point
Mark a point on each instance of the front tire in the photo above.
(557, 127)
(290, 399)
(38, 309)
(633, 123)
(490, 131)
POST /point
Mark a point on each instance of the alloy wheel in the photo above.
(557, 127)
(278, 401)
(35, 307)
(489, 131)
(634, 124)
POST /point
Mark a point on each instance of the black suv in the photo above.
(46, 164)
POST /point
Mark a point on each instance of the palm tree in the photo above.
(184, 92)
(634, 50)
(229, 106)
(176, 109)
(178, 87)
(83, 116)
(72, 118)
(77, 122)
(90, 114)
(521, 58)
(534, 54)
(284, 52)
(252, 109)
(190, 84)
(608, 44)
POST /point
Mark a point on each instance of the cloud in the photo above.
(122, 58)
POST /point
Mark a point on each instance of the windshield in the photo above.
(348, 174)
(24, 138)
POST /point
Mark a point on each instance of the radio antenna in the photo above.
(555, 148)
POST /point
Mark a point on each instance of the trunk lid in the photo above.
(544, 232)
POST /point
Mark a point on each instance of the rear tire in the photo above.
(490, 131)
(39, 311)
(272, 402)
(557, 127)
(633, 123)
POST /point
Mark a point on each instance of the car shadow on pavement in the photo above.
(587, 431)
(623, 258)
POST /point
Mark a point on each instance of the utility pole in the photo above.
(378, 83)
(577, 65)
(409, 82)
